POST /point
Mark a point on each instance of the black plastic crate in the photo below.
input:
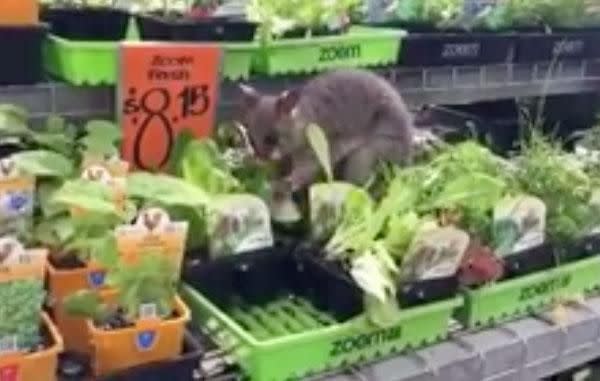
(22, 62)
(158, 28)
(456, 49)
(536, 47)
(528, 261)
(87, 24)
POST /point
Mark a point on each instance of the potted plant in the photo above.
(30, 342)
(142, 321)
(84, 21)
(307, 36)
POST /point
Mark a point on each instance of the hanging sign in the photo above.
(165, 88)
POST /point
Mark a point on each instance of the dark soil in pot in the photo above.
(322, 31)
(176, 28)
(67, 261)
(87, 24)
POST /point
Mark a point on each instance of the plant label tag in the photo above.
(238, 223)
(9, 344)
(96, 278)
(148, 311)
(435, 253)
(519, 224)
(114, 165)
(10, 373)
(17, 195)
(17, 263)
(326, 202)
(145, 340)
(154, 231)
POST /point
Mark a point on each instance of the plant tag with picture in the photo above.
(117, 185)
(435, 253)
(17, 195)
(519, 224)
(326, 202)
(114, 165)
(153, 231)
(18, 263)
(238, 223)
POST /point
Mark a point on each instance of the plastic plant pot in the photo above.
(180, 368)
(146, 342)
(529, 261)
(222, 29)
(62, 283)
(38, 366)
(19, 12)
(23, 66)
(87, 24)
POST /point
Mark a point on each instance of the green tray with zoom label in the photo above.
(360, 47)
(517, 297)
(291, 339)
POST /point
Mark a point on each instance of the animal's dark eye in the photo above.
(271, 140)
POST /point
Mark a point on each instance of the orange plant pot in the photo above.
(38, 366)
(62, 283)
(19, 12)
(146, 342)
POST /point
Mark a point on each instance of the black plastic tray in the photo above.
(22, 47)
(157, 28)
(535, 47)
(529, 261)
(87, 24)
(582, 248)
(456, 49)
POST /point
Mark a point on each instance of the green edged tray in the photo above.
(361, 47)
(290, 339)
(96, 63)
(237, 60)
(81, 62)
(517, 297)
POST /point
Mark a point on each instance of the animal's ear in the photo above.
(287, 101)
(250, 96)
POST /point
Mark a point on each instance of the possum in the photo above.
(364, 118)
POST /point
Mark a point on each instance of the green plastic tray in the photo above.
(81, 62)
(515, 298)
(290, 339)
(361, 47)
(96, 63)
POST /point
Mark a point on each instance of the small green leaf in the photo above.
(318, 141)
(55, 124)
(165, 189)
(103, 129)
(88, 195)
(41, 163)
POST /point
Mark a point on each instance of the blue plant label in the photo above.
(96, 278)
(145, 340)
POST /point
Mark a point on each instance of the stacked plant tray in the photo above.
(288, 316)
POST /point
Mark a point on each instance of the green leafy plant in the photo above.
(277, 17)
(438, 13)
(149, 282)
(20, 315)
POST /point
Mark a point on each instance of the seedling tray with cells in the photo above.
(310, 319)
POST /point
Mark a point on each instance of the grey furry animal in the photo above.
(363, 116)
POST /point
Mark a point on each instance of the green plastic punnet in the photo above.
(360, 47)
(81, 62)
(237, 60)
(517, 297)
(291, 339)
